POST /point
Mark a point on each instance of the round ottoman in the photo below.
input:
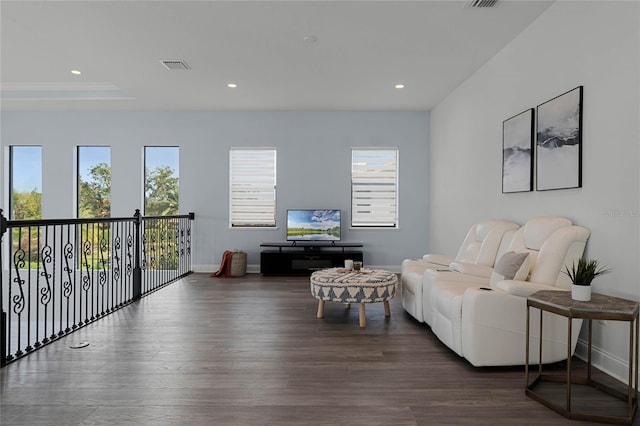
(366, 286)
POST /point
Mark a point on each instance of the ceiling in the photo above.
(361, 50)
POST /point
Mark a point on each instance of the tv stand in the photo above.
(305, 257)
(307, 246)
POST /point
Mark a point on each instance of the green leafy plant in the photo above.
(585, 271)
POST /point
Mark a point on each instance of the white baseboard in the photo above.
(204, 268)
(604, 361)
(251, 269)
(255, 268)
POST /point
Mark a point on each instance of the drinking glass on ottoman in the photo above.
(366, 286)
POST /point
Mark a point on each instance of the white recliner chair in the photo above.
(465, 274)
(488, 327)
(479, 247)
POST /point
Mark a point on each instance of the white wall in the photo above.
(594, 44)
(313, 161)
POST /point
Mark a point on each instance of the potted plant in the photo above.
(581, 276)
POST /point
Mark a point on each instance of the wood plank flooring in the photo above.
(250, 351)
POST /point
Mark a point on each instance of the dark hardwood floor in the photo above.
(250, 351)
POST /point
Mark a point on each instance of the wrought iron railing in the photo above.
(57, 276)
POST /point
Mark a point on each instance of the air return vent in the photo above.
(481, 3)
(176, 65)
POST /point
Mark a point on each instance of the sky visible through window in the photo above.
(162, 156)
(26, 168)
(27, 163)
(89, 156)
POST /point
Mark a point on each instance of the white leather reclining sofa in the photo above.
(488, 327)
(480, 247)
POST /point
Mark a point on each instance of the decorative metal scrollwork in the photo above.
(86, 251)
(67, 284)
(116, 258)
(104, 249)
(18, 299)
(189, 240)
(47, 259)
(130, 262)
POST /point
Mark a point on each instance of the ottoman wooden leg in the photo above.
(363, 318)
(320, 308)
(387, 310)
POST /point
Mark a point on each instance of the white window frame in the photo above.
(374, 187)
(252, 187)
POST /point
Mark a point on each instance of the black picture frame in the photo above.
(559, 142)
(517, 153)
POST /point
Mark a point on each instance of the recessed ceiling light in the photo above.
(76, 72)
(399, 86)
(232, 85)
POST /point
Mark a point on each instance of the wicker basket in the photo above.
(238, 264)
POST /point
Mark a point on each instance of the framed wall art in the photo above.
(517, 153)
(559, 142)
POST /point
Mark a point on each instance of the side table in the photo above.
(600, 307)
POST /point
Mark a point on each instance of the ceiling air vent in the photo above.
(481, 3)
(176, 65)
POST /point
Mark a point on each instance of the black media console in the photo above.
(304, 257)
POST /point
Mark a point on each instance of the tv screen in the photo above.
(313, 225)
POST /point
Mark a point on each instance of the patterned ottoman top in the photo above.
(367, 286)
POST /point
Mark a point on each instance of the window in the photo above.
(25, 180)
(374, 188)
(252, 192)
(94, 181)
(161, 180)
(25, 201)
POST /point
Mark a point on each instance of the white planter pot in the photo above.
(581, 292)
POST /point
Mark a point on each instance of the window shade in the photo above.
(252, 187)
(374, 188)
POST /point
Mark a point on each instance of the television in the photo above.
(313, 225)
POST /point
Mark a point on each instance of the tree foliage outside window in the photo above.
(161, 181)
(161, 186)
(161, 192)
(94, 181)
(26, 199)
(27, 205)
(94, 201)
(26, 182)
(95, 192)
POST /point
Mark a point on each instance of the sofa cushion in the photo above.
(538, 230)
(511, 266)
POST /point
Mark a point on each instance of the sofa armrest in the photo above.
(494, 327)
(438, 259)
(523, 288)
(471, 269)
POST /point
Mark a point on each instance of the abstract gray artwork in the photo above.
(559, 142)
(517, 153)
